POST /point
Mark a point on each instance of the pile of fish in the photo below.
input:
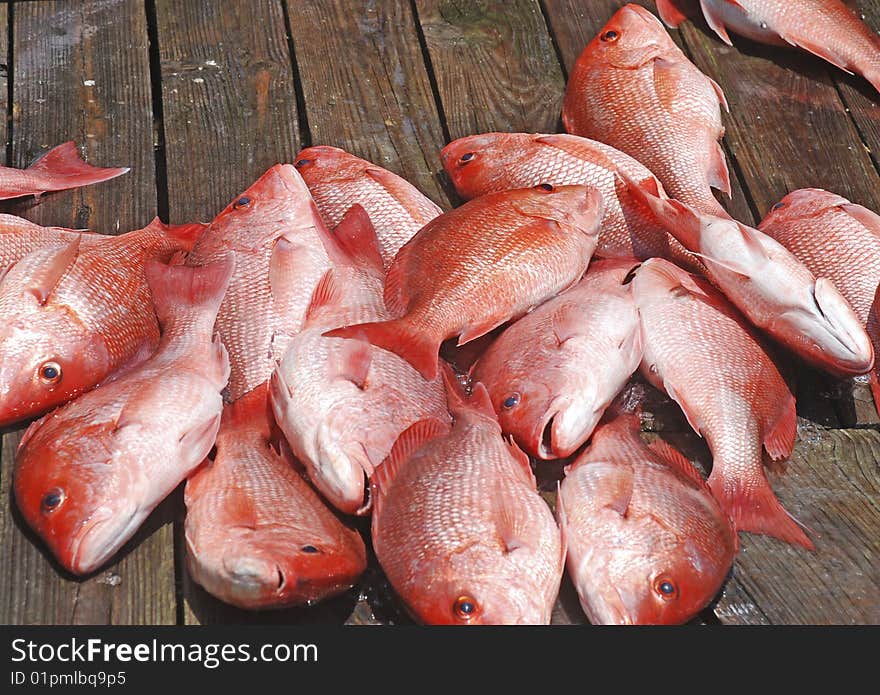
(285, 359)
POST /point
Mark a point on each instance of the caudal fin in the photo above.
(64, 168)
(180, 289)
(670, 13)
(400, 337)
(756, 510)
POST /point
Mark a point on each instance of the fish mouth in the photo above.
(563, 432)
(100, 538)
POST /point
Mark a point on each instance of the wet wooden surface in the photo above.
(199, 98)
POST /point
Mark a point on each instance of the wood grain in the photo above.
(5, 63)
(495, 65)
(81, 72)
(366, 87)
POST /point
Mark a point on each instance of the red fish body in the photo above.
(58, 169)
(838, 240)
(19, 237)
(88, 474)
(826, 28)
(635, 90)
(552, 373)
(281, 249)
(476, 267)
(257, 535)
(709, 361)
(647, 541)
(458, 526)
(77, 311)
(340, 402)
(772, 288)
(492, 162)
(338, 180)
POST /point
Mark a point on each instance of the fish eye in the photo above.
(52, 500)
(665, 588)
(465, 607)
(511, 401)
(610, 36)
(242, 202)
(50, 373)
(545, 187)
(467, 157)
(778, 206)
(310, 549)
(300, 163)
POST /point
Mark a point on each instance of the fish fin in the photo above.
(408, 442)
(65, 161)
(239, 508)
(862, 215)
(756, 509)
(459, 403)
(682, 221)
(677, 460)
(282, 264)
(357, 237)
(718, 175)
(823, 52)
(622, 494)
(522, 458)
(395, 294)
(44, 281)
(565, 325)
(327, 292)
(562, 521)
(185, 234)
(511, 524)
(202, 436)
(670, 14)
(354, 362)
(689, 413)
(478, 330)
(779, 442)
(715, 21)
(177, 286)
(400, 337)
(680, 278)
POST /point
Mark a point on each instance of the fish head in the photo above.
(322, 164)
(802, 204)
(631, 38)
(480, 164)
(47, 357)
(73, 492)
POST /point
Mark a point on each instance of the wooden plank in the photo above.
(366, 87)
(81, 72)
(229, 113)
(831, 485)
(495, 65)
(228, 100)
(5, 63)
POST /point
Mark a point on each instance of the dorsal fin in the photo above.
(459, 403)
(58, 262)
(522, 459)
(408, 442)
(328, 292)
(357, 237)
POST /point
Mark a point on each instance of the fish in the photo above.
(552, 374)
(19, 237)
(648, 544)
(772, 288)
(458, 526)
(88, 474)
(257, 535)
(342, 402)
(492, 162)
(282, 249)
(58, 169)
(826, 28)
(701, 352)
(478, 266)
(839, 240)
(634, 89)
(77, 312)
(338, 180)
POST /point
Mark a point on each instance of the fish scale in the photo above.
(460, 517)
(639, 93)
(19, 237)
(706, 358)
(338, 180)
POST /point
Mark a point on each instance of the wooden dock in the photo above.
(199, 97)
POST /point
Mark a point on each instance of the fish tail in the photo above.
(64, 162)
(180, 289)
(669, 13)
(250, 411)
(756, 509)
(401, 337)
